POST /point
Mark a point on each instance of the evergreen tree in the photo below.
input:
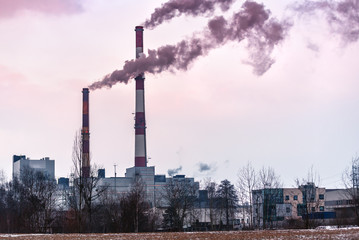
(228, 199)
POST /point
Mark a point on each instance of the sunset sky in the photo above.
(302, 112)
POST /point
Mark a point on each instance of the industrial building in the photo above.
(276, 206)
(44, 165)
(341, 202)
(154, 184)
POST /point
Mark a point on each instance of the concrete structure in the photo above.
(44, 165)
(341, 202)
(155, 185)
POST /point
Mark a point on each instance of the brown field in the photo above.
(267, 234)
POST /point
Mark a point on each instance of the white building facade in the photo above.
(44, 165)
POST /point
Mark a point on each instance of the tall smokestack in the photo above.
(85, 132)
(140, 122)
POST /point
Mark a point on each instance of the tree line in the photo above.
(34, 203)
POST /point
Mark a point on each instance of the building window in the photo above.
(286, 197)
(321, 208)
(295, 197)
(321, 196)
(287, 210)
(300, 209)
(313, 209)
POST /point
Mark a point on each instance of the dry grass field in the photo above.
(248, 235)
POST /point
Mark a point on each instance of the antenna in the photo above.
(115, 165)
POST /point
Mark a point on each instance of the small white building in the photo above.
(44, 165)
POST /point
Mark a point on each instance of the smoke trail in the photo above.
(343, 16)
(172, 172)
(252, 22)
(175, 8)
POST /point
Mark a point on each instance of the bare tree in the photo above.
(2, 178)
(84, 191)
(108, 218)
(179, 196)
(134, 208)
(351, 183)
(269, 183)
(40, 191)
(14, 209)
(247, 181)
(3, 203)
(310, 197)
(268, 178)
(28, 203)
(211, 188)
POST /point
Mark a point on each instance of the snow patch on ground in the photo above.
(336, 227)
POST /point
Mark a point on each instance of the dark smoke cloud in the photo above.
(172, 172)
(343, 16)
(175, 8)
(204, 167)
(252, 23)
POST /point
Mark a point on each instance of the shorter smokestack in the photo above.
(85, 134)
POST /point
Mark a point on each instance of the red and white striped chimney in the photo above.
(140, 121)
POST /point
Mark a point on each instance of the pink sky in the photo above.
(54, 7)
(303, 112)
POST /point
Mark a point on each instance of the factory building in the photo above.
(154, 185)
(44, 165)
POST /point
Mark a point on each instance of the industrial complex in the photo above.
(153, 183)
(269, 205)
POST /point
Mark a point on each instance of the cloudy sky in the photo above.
(207, 121)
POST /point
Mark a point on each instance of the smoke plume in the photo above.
(342, 16)
(204, 167)
(172, 172)
(252, 23)
(175, 8)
